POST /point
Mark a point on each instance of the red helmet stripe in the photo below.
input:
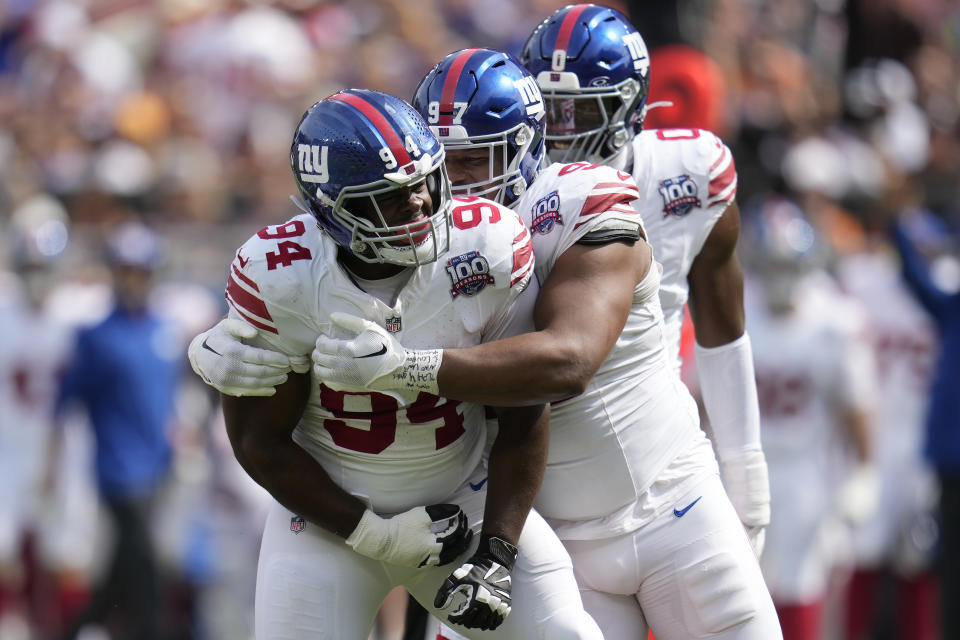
(450, 86)
(566, 27)
(379, 122)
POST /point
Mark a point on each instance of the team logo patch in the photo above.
(469, 274)
(545, 213)
(393, 324)
(679, 195)
(297, 524)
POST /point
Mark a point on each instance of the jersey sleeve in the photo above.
(516, 315)
(723, 173)
(595, 206)
(265, 285)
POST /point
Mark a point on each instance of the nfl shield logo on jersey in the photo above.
(679, 195)
(469, 273)
(545, 213)
(393, 324)
(297, 524)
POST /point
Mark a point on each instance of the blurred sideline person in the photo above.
(893, 585)
(375, 490)
(942, 437)
(124, 373)
(815, 381)
(33, 353)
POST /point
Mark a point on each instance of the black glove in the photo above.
(477, 595)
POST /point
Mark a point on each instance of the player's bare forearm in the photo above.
(716, 284)
(260, 431)
(517, 462)
(579, 315)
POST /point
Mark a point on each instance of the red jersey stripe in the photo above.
(722, 181)
(601, 203)
(450, 86)
(247, 300)
(247, 281)
(376, 118)
(252, 321)
(522, 256)
(616, 185)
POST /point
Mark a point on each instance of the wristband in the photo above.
(420, 369)
(498, 549)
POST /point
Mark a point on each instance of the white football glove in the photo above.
(373, 359)
(478, 594)
(746, 482)
(859, 495)
(421, 537)
(219, 356)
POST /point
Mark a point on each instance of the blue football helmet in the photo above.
(356, 145)
(478, 98)
(780, 247)
(594, 71)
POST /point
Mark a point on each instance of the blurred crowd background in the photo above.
(178, 114)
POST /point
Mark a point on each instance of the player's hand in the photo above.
(746, 482)
(421, 537)
(373, 359)
(477, 595)
(219, 356)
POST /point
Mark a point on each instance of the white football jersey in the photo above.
(402, 449)
(811, 366)
(904, 344)
(33, 353)
(687, 178)
(635, 416)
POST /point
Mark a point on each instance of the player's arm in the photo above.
(579, 315)
(580, 312)
(916, 273)
(478, 594)
(727, 379)
(260, 431)
(517, 461)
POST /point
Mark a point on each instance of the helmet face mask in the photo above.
(368, 210)
(488, 113)
(490, 166)
(594, 71)
(592, 124)
(357, 156)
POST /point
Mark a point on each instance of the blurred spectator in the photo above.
(815, 387)
(33, 351)
(942, 445)
(124, 371)
(892, 587)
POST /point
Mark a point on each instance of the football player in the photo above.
(593, 69)
(384, 242)
(815, 377)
